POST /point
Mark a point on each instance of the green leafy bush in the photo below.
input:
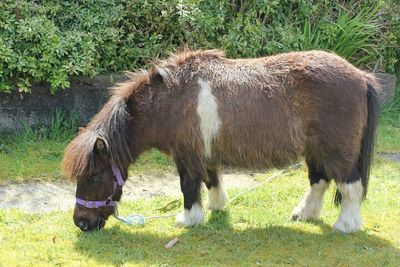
(49, 40)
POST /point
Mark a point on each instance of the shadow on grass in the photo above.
(218, 243)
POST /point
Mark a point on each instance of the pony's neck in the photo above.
(149, 126)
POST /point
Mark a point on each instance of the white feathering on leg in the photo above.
(350, 215)
(311, 205)
(190, 217)
(217, 198)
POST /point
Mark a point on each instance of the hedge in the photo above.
(49, 40)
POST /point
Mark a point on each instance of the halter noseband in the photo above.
(118, 181)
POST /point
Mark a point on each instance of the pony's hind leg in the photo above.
(190, 173)
(217, 196)
(310, 207)
(351, 193)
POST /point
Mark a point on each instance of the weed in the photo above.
(347, 35)
(390, 113)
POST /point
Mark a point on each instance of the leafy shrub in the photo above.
(47, 41)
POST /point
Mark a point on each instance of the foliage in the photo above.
(47, 41)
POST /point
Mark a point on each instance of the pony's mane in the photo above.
(179, 59)
(175, 67)
(112, 123)
(168, 69)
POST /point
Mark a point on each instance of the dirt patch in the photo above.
(390, 156)
(60, 196)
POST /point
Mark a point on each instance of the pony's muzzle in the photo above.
(83, 224)
(86, 225)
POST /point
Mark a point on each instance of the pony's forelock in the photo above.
(78, 157)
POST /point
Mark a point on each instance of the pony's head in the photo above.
(98, 158)
(87, 160)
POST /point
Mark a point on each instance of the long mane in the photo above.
(112, 123)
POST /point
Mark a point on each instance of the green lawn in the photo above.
(22, 160)
(253, 230)
(388, 138)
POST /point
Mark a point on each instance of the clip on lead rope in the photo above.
(133, 219)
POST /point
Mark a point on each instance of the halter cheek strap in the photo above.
(91, 204)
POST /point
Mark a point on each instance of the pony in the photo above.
(207, 111)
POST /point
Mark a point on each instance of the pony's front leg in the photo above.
(190, 177)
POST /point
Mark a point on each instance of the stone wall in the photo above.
(388, 82)
(85, 97)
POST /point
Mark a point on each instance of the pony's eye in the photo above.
(96, 179)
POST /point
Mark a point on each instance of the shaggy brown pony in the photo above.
(207, 111)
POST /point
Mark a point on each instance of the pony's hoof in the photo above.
(301, 213)
(347, 226)
(295, 217)
(187, 218)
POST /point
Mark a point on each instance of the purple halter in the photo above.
(118, 181)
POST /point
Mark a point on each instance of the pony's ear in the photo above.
(166, 75)
(100, 146)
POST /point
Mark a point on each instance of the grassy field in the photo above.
(253, 230)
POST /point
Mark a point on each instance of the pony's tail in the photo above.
(368, 141)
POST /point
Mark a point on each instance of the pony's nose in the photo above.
(83, 224)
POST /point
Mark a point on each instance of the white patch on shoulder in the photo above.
(191, 217)
(207, 108)
(311, 205)
(217, 198)
(350, 215)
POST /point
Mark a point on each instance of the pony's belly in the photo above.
(257, 158)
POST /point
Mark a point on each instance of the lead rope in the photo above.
(138, 219)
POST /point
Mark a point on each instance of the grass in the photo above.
(389, 129)
(29, 160)
(388, 138)
(252, 230)
(36, 155)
